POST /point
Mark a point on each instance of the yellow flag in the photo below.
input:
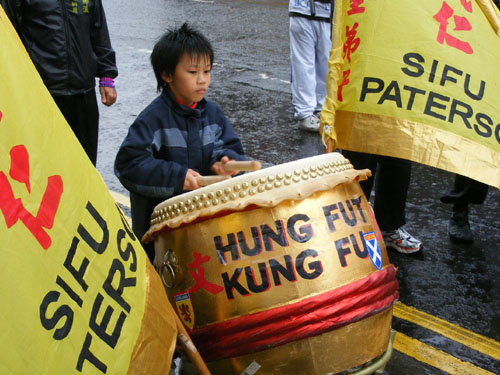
(78, 293)
(418, 80)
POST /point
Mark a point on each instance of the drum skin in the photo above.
(304, 286)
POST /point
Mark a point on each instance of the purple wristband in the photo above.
(106, 82)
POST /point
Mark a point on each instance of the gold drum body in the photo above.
(293, 281)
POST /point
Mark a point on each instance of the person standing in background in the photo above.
(465, 192)
(69, 44)
(310, 43)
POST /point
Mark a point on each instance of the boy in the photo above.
(180, 135)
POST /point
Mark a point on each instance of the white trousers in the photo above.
(310, 46)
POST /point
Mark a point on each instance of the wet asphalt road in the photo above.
(457, 283)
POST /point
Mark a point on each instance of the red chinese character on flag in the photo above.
(461, 24)
(13, 208)
(355, 7)
(345, 81)
(467, 5)
(352, 43)
(198, 273)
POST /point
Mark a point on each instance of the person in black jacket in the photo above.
(69, 44)
(180, 135)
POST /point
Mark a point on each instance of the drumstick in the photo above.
(190, 349)
(208, 180)
(237, 166)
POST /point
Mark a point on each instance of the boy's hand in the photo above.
(190, 180)
(218, 168)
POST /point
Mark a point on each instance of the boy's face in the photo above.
(191, 78)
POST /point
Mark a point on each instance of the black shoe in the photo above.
(459, 230)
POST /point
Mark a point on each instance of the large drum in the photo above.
(279, 271)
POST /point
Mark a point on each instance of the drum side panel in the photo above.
(255, 260)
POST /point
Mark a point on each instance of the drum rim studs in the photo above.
(258, 185)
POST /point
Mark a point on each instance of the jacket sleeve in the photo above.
(226, 141)
(13, 10)
(140, 171)
(101, 44)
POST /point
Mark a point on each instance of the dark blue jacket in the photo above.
(163, 142)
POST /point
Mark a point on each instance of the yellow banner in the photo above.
(78, 293)
(418, 80)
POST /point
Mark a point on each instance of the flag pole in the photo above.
(190, 349)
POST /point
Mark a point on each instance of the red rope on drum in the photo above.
(309, 317)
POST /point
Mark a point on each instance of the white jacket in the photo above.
(303, 7)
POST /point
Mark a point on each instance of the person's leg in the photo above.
(303, 77)
(323, 46)
(82, 114)
(91, 119)
(465, 191)
(391, 191)
(458, 226)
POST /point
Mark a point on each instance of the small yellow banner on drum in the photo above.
(78, 293)
(418, 80)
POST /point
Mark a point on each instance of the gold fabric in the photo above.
(417, 80)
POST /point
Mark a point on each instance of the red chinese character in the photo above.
(345, 81)
(198, 274)
(355, 8)
(461, 24)
(352, 43)
(467, 5)
(186, 314)
(13, 208)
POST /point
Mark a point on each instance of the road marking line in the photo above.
(436, 358)
(453, 332)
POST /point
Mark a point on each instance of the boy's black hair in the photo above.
(172, 45)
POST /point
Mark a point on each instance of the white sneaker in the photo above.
(402, 241)
(310, 124)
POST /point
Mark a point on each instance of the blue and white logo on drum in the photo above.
(185, 309)
(371, 244)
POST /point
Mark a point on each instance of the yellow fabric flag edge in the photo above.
(158, 318)
(418, 142)
(335, 66)
(488, 8)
